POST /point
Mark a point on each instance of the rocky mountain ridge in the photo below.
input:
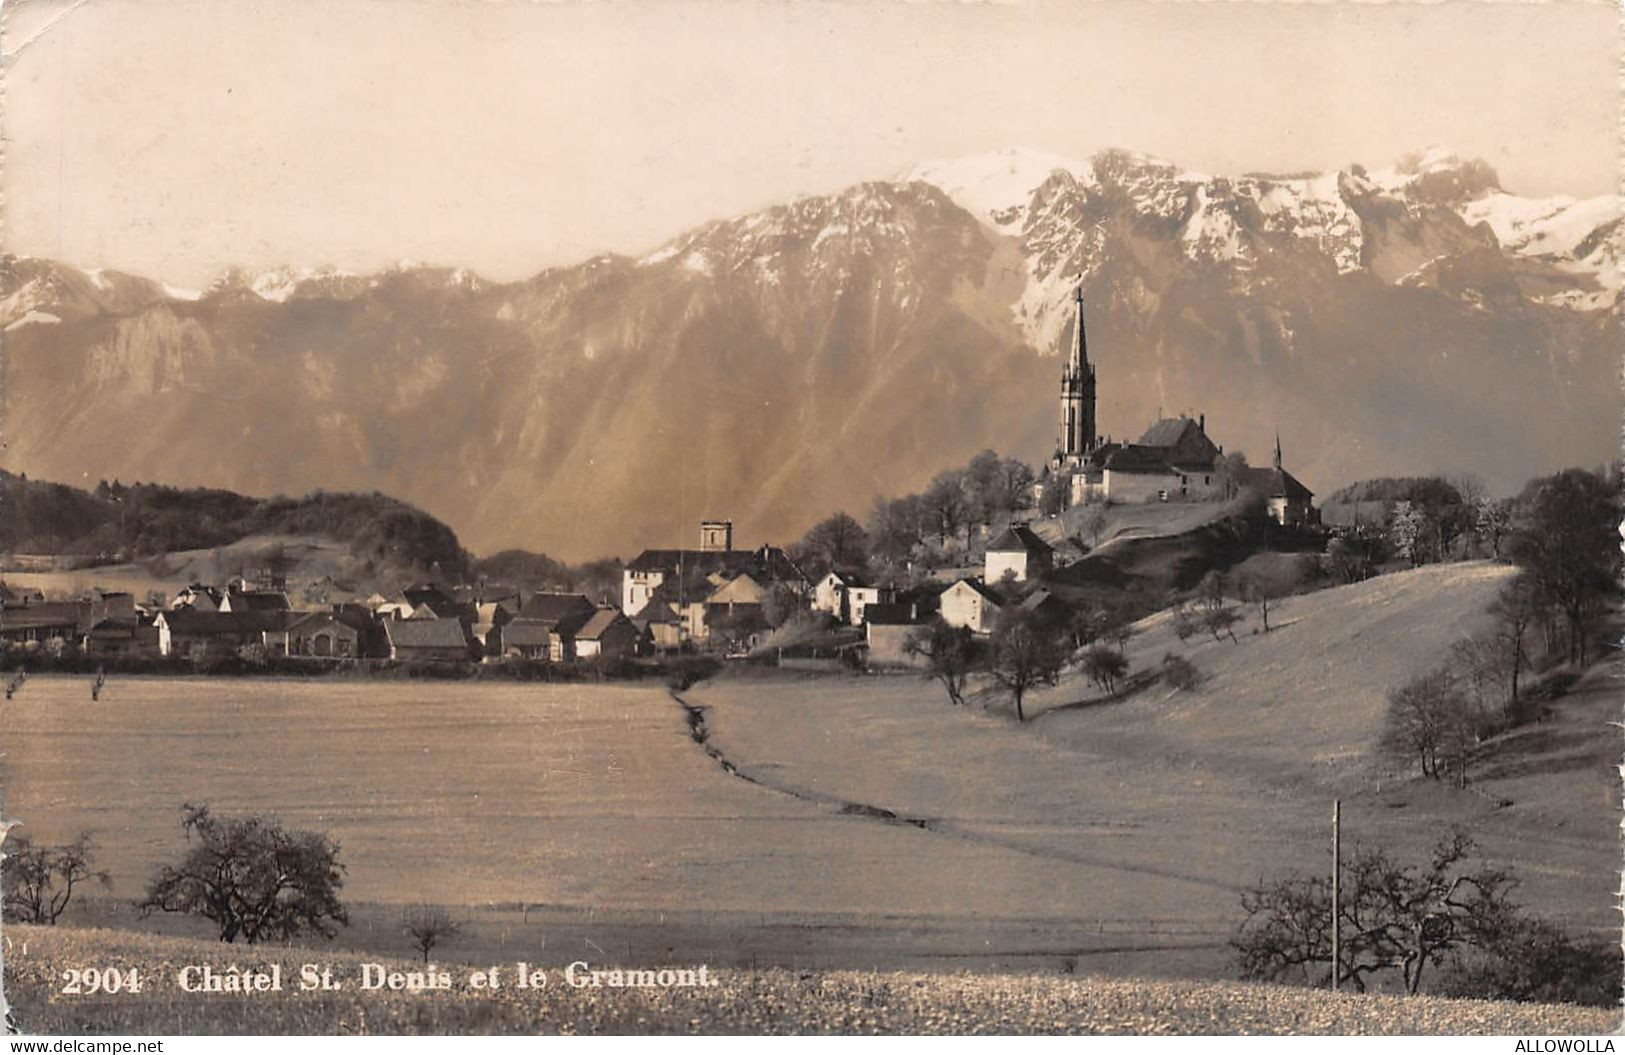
(807, 357)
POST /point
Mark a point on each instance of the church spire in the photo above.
(1080, 343)
(1277, 448)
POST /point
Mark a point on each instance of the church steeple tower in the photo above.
(1078, 435)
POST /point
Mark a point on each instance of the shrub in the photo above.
(1180, 672)
(1105, 666)
(1532, 960)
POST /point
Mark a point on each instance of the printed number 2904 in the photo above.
(87, 980)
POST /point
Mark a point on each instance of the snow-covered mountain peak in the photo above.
(996, 188)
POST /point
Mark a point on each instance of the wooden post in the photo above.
(1337, 876)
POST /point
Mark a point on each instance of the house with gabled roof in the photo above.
(180, 630)
(527, 639)
(551, 607)
(607, 633)
(1017, 552)
(429, 640)
(1288, 501)
(973, 604)
(238, 600)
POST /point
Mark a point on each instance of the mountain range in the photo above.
(781, 365)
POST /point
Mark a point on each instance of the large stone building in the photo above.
(1174, 460)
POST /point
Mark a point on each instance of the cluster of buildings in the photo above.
(1173, 460)
(423, 623)
(715, 597)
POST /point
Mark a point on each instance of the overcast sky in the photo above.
(174, 138)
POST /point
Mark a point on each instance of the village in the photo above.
(713, 598)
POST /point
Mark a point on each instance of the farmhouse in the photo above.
(181, 630)
(973, 604)
(887, 630)
(1017, 552)
(551, 607)
(239, 600)
(345, 632)
(607, 633)
(41, 621)
(527, 639)
(429, 640)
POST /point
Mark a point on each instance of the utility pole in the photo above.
(1337, 877)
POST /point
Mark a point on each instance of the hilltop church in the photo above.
(1173, 460)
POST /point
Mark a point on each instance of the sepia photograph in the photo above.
(840, 517)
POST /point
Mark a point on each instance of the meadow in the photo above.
(832, 823)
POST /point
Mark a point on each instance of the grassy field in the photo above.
(1161, 807)
(864, 823)
(764, 1001)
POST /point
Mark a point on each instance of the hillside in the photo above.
(1307, 699)
(1164, 805)
(150, 520)
(1417, 318)
(755, 1002)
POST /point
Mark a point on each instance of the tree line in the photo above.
(127, 522)
(1548, 620)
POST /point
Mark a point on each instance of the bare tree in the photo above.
(1432, 720)
(429, 926)
(1394, 920)
(1105, 667)
(39, 881)
(1093, 524)
(1515, 609)
(950, 655)
(1025, 656)
(1262, 592)
(253, 878)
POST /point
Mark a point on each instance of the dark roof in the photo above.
(196, 623)
(525, 633)
(343, 617)
(553, 606)
(571, 622)
(1276, 483)
(1018, 539)
(259, 601)
(1168, 432)
(600, 622)
(982, 588)
(1043, 600)
(658, 610)
(890, 614)
(424, 591)
(426, 633)
(765, 564)
(443, 609)
(42, 614)
(1137, 458)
